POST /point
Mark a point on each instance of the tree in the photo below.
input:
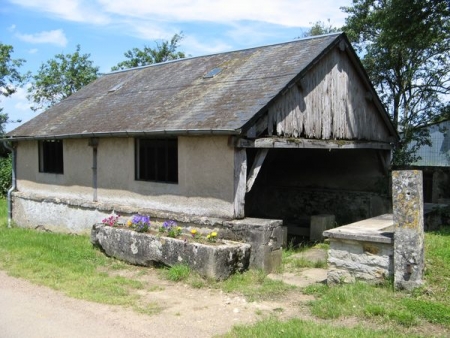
(10, 78)
(320, 28)
(406, 53)
(5, 174)
(165, 51)
(60, 77)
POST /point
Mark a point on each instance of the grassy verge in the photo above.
(422, 313)
(66, 263)
(295, 328)
(430, 303)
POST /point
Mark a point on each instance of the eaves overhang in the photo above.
(134, 133)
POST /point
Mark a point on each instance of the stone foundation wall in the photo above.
(349, 260)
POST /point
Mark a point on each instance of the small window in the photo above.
(212, 73)
(51, 156)
(157, 160)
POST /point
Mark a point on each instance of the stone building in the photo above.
(284, 131)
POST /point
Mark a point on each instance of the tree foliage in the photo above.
(164, 51)
(10, 78)
(9, 70)
(60, 77)
(5, 174)
(320, 28)
(405, 47)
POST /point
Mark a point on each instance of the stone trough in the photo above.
(215, 260)
(362, 250)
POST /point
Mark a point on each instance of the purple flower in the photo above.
(169, 224)
(141, 219)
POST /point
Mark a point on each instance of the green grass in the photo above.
(291, 261)
(254, 285)
(299, 328)
(63, 262)
(177, 273)
(430, 303)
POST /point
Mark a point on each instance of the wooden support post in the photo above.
(256, 167)
(407, 200)
(240, 180)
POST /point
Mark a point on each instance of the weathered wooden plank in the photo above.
(272, 142)
(331, 103)
(256, 167)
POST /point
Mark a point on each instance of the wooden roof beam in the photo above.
(272, 142)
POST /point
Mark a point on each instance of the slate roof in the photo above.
(174, 97)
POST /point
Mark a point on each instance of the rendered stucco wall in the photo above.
(76, 182)
(205, 187)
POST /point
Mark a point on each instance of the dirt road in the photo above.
(31, 311)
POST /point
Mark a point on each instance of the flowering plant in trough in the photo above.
(112, 221)
(212, 237)
(170, 244)
(170, 228)
(140, 223)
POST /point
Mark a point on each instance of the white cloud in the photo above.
(55, 37)
(290, 13)
(148, 30)
(193, 47)
(33, 51)
(155, 19)
(71, 10)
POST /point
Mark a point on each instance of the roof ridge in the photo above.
(227, 52)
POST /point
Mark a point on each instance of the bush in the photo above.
(5, 174)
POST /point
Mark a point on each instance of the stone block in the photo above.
(319, 224)
(266, 237)
(339, 276)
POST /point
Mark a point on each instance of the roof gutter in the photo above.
(13, 180)
(162, 132)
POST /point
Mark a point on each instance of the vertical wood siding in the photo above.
(328, 103)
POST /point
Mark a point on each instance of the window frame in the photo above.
(51, 158)
(156, 160)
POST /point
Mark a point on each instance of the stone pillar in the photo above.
(407, 200)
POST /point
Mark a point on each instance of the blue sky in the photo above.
(106, 29)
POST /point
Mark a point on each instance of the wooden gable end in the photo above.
(330, 102)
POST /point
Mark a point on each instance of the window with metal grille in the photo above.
(157, 160)
(51, 156)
